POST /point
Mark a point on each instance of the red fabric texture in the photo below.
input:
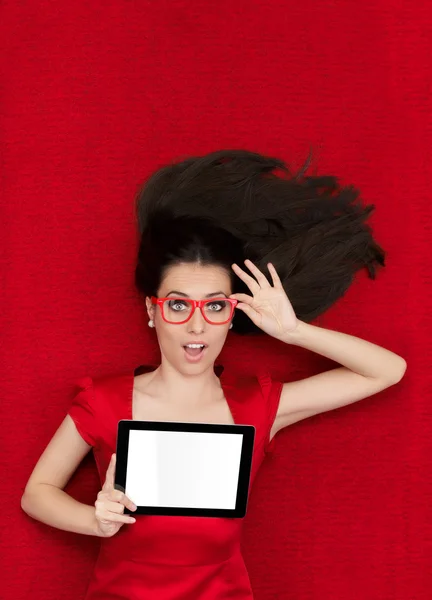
(171, 558)
(94, 97)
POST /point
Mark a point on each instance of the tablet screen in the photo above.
(185, 468)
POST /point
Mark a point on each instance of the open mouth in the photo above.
(194, 352)
(194, 349)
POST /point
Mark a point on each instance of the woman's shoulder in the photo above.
(96, 387)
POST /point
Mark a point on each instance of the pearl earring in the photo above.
(150, 323)
(230, 327)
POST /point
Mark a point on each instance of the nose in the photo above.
(196, 323)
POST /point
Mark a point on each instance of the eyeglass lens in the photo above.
(179, 310)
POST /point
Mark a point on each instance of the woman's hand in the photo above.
(110, 505)
(269, 307)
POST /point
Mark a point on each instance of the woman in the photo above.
(225, 244)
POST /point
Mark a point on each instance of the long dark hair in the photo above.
(229, 205)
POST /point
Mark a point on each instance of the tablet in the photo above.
(184, 469)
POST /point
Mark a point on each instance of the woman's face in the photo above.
(196, 282)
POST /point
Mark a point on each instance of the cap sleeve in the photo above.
(83, 411)
(272, 390)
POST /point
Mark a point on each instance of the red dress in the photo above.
(166, 557)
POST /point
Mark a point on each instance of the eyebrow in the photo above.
(207, 296)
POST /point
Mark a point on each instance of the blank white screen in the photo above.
(183, 469)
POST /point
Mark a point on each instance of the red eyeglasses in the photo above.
(215, 311)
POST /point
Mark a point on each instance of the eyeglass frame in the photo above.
(195, 304)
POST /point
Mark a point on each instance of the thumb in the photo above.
(109, 477)
(253, 315)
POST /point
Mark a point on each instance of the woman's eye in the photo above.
(218, 306)
(176, 303)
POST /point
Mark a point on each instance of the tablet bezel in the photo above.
(246, 431)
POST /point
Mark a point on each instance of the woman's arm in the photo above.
(368, 369)
(44, 498)
(356, 354)
(56, 508)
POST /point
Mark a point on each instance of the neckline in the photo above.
(222, 375)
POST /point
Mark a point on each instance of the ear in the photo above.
(150, 308)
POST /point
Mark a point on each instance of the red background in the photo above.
(96, 95)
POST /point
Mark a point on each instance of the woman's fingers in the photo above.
(242, 298)
(254, 285)
(275, 277)
(253, 315)
(121, 499)
(109, 477)
(261, 278)
(249, 281)
(110, 493)
(114, 507)
(105, 514)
